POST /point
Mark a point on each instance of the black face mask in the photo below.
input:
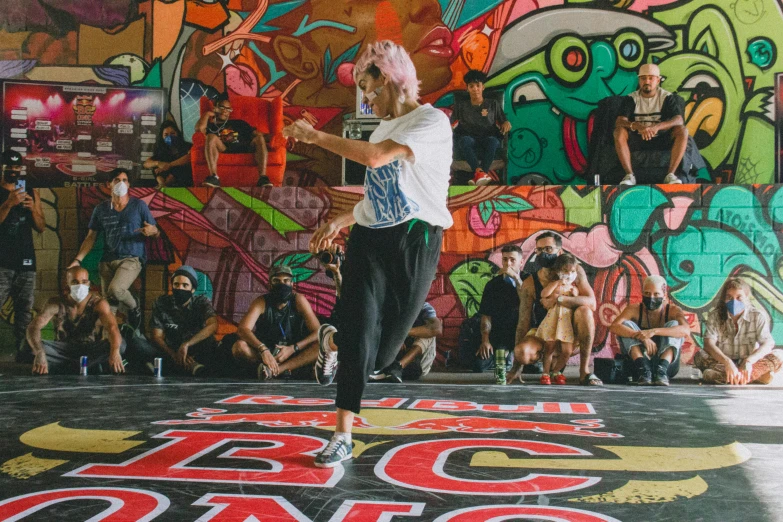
(10, 176)
(280, 293)
(545, 260)
(652, 303)
(181, 296)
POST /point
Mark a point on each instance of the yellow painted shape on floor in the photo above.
(632, 458)
(58, 438)
(28, 466)
(384, 421)
(649, 492)
(360, 447)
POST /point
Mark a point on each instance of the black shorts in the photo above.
(662, 141)
(239, 147)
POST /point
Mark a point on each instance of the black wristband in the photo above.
(266, 349)
(296, 348)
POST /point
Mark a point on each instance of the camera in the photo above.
(328, 258)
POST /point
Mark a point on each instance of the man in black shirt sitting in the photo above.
(279, 332)
(478, 125)
(230, 136)
(499, 312)
(183, 329)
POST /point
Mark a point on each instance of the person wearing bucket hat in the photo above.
(277, 337)
(20, 214)
(183, 327)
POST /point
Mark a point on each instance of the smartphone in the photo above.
(21, 183)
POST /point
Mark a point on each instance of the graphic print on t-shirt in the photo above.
(382, 190)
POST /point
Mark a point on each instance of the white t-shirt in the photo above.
(411, 187)
(648, 110)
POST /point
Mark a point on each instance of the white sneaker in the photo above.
(671, 179)
(629, 179)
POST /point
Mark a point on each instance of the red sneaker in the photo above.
(545, 379)
(559, 378)
(480, 178)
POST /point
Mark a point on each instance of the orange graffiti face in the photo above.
(417, 26)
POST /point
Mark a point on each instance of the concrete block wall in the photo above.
(694, 235)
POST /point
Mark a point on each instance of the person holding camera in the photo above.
(396, 241)
(20, 214)
(277, 335)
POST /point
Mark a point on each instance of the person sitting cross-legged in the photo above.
(84, 325)
(183, 330)
(418, 352)
(651, 333)
(738, 346)
(277, 336)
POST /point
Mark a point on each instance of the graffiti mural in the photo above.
(554, 61)
(695, 237)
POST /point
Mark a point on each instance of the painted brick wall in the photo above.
(696, 236)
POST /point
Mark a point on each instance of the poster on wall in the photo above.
(70, 134)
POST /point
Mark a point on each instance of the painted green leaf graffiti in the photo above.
(296, 262)
(485, 211)
(510, 203)
(468, 279)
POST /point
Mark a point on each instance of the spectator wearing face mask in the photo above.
(170, 160)
(738, 346)
(126, 223)
(183, 327)
(651, 333)
(83, 325)
(277, 336)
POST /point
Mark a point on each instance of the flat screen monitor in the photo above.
(69, 134)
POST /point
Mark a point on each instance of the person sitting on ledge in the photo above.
(224, 135)
(651, 118)
(79, 321)
(738, 346)
(479, 124)
(278, 333)
(651, 333)
(171, 159)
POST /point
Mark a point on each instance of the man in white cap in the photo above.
(651, 118)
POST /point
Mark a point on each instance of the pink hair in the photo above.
(394, 62)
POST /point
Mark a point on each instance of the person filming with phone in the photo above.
(20, 214)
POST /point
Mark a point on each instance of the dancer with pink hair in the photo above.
(396, 239)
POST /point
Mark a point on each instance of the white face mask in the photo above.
(569, 277)
(79, 292)
(120, 189)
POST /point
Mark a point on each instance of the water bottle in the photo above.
(500, 366)
(695, 374)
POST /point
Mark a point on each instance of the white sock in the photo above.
(345, 435)
(672, 174)
(630, 174)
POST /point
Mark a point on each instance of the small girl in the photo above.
(557, 327)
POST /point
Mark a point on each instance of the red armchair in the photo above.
(240, 170)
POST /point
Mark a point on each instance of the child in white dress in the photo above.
(556, 330)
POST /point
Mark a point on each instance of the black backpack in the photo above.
(469, 338)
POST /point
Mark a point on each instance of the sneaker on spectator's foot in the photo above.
(263, 181)
(545, 379)
(263, 372)
(334, 453)
(135, 318)
(212, 181)
(645, 379)
(559, 378)
(711, 376)
(672, 179)
(393, 372)
(629, 179)
(326, 364)
(480, 178)
(660, 378)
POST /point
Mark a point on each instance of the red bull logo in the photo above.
(303, 419)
